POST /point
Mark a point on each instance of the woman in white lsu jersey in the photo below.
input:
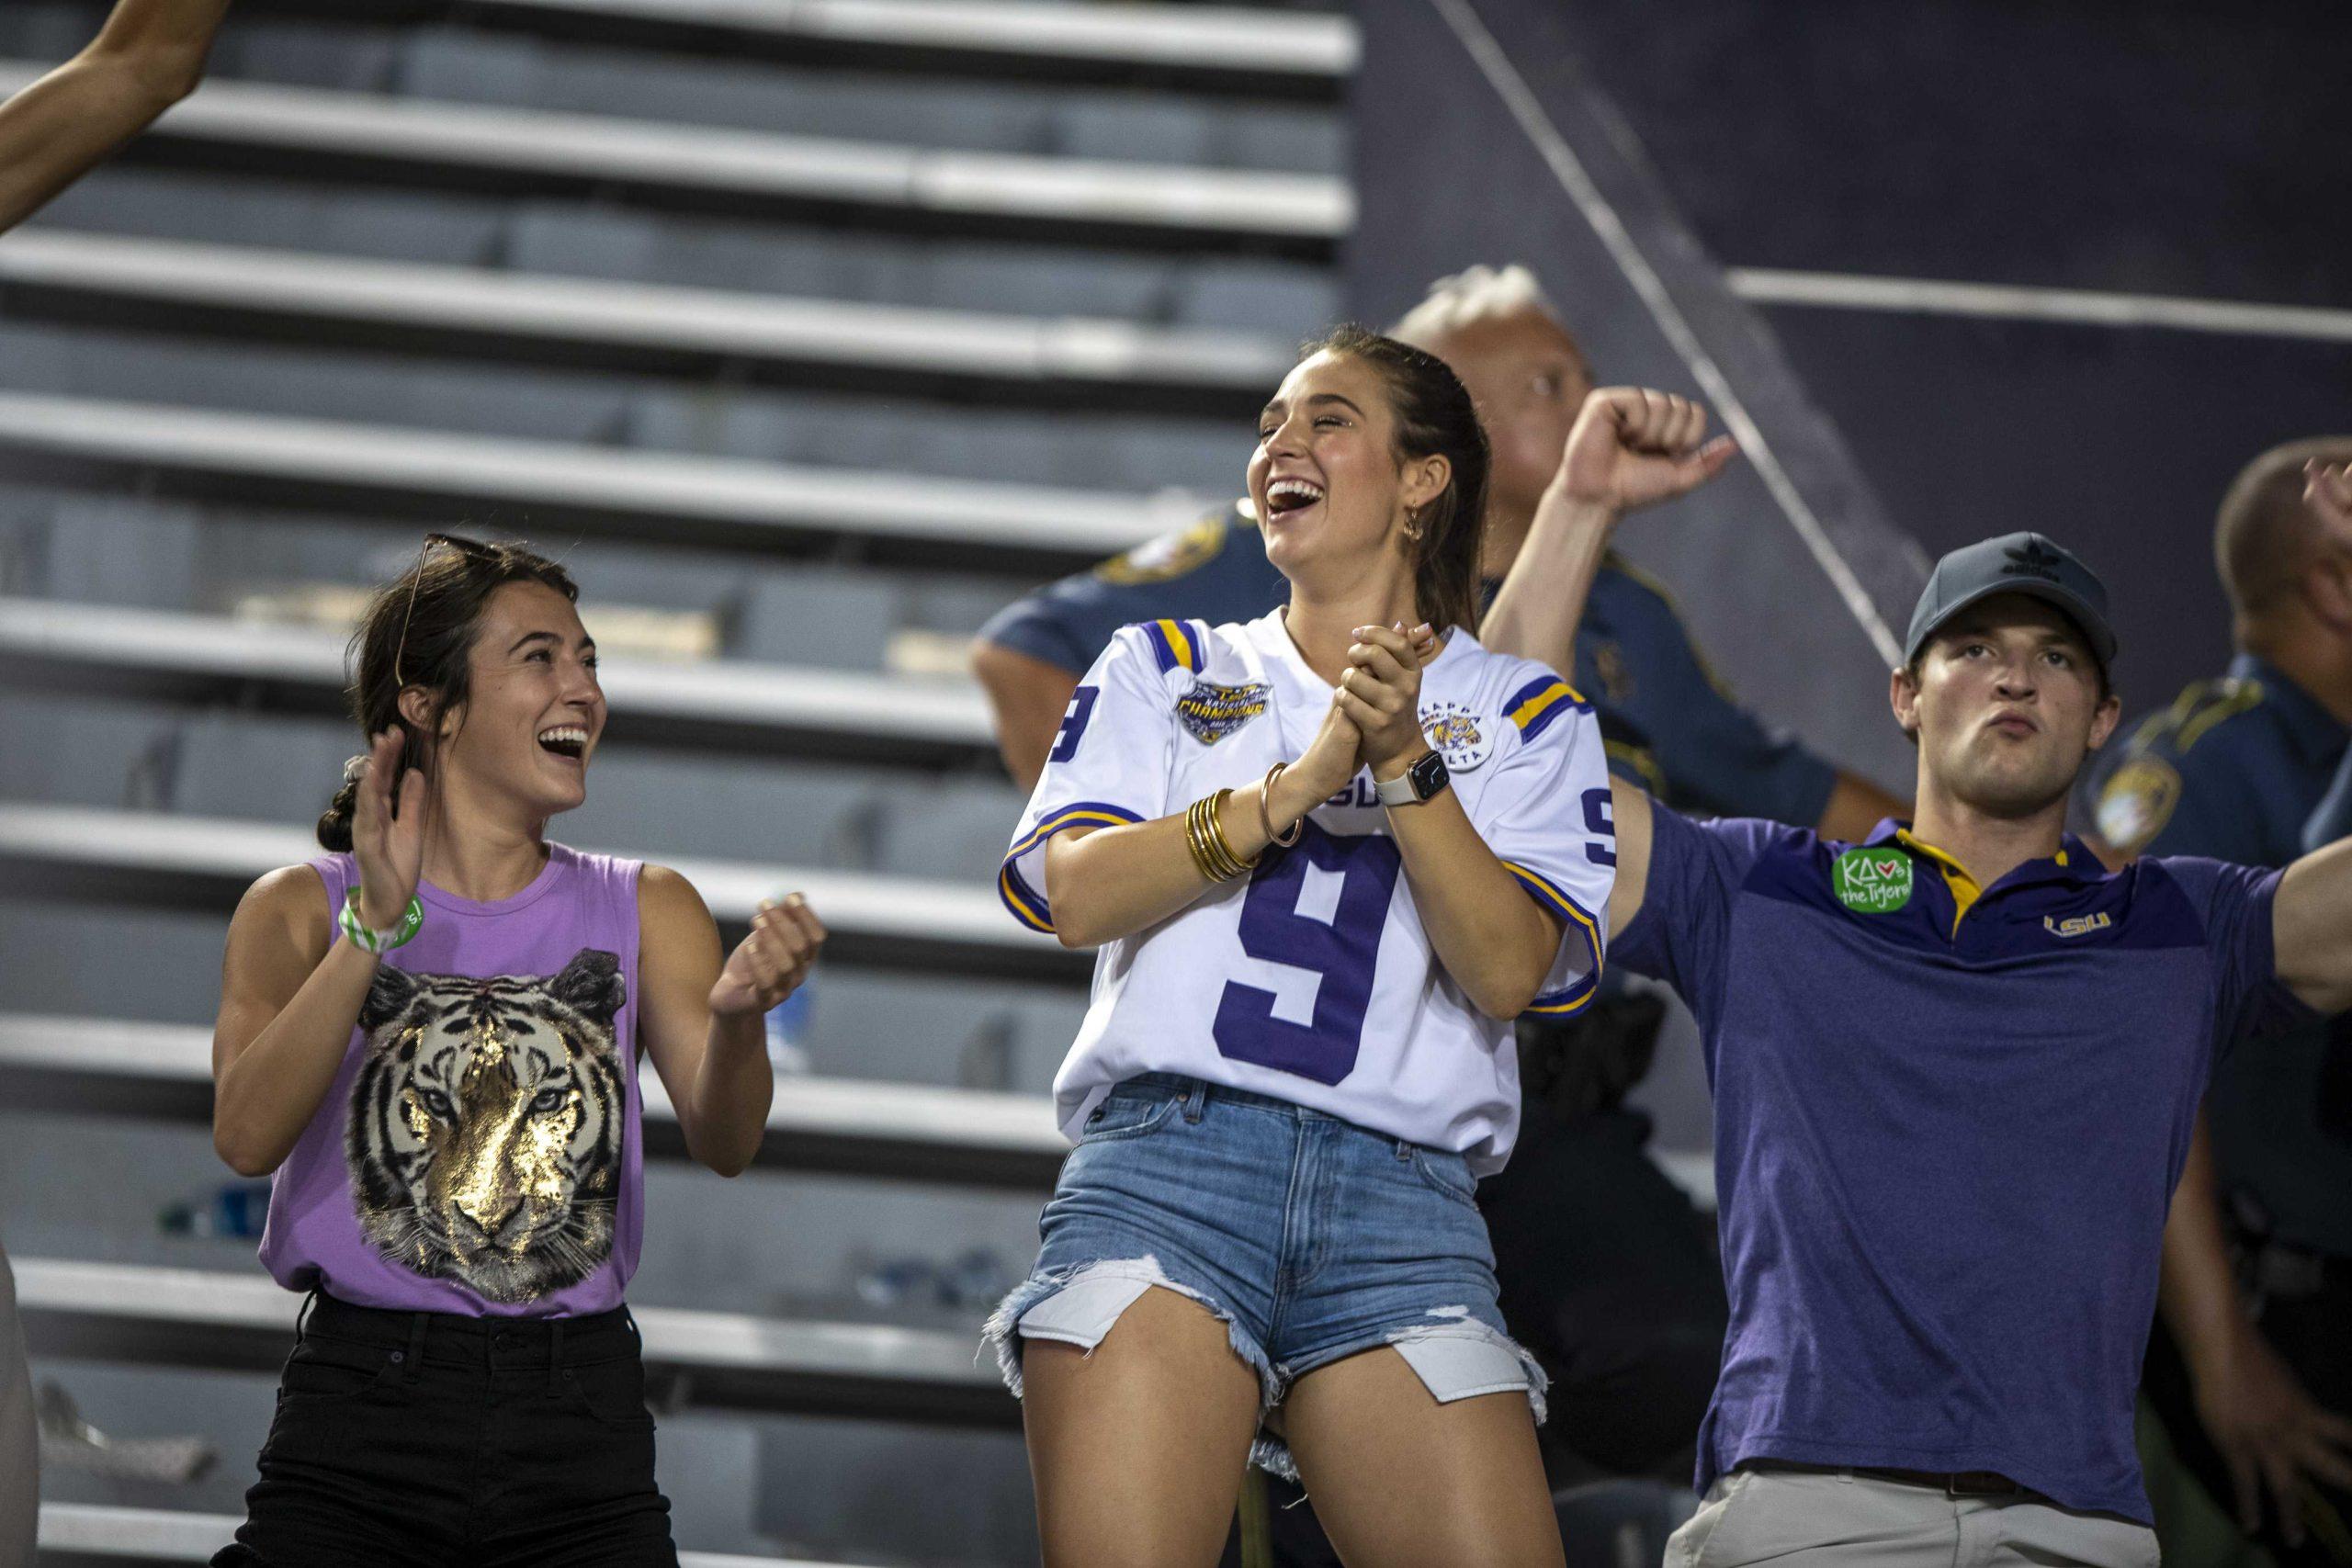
(1328, 856)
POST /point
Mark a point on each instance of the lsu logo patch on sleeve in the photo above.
(1455, 733)
(2136, 802)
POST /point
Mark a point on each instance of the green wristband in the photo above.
(379, 941)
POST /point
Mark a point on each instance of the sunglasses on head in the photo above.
(471, 550)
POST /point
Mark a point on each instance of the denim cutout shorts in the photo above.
(1311, 1238)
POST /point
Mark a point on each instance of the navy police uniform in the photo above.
(2239, 769)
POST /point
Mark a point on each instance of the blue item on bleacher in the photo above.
(788, 1031)
(236, 1208)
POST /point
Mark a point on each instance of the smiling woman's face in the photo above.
(1331, 495)
(534, 710)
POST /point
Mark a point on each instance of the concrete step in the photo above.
(833, 1126)
(649, 496)
(412, 142)
(721, 705)
(244, 1321)
(151, 860)
(703, 333)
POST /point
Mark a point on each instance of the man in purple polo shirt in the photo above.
(1955, 1070)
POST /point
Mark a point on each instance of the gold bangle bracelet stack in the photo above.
(1205, 834)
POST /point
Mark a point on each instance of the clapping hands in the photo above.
(772, 961)
(1380, 694)
(388, 842)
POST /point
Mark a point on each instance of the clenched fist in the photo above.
(772, 961)
(1631, 447)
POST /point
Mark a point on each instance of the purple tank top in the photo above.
(478, 1152)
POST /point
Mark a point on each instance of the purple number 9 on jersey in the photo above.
(1341, 947)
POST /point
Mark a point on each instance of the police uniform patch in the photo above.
(1454, 732)
(2137, 802)
(1169, 557)
(1212, 712)
(1616, 679)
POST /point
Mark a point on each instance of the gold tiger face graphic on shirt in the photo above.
(485, 1133)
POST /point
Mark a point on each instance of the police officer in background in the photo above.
(2252, 1366)
(1620, 1299)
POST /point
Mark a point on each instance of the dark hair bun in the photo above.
(334, 823)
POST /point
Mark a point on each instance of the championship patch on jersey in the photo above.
(1213, 712)
(2136, 803)
(1167, 557)
(1458, 736)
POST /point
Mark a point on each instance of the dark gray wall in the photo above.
(1446, 177)
(2194, 150)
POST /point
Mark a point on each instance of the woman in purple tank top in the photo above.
(429, 1037)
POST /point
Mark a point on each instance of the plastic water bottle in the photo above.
(788, 1032)
(238, 1209)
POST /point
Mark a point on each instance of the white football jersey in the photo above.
(1311, 979)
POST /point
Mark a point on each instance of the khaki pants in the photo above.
(1834, 1518)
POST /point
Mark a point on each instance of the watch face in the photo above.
(1428, 776)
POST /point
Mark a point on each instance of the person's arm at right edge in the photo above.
(1629, 449)
(2313, 908)
(2328, 488)
(148, 57)
(2268, 1428)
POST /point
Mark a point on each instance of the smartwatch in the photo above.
(1415, 785)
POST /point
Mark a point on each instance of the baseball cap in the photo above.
(2014, 563)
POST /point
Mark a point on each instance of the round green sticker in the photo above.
(1872, 881)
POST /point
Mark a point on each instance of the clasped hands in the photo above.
(1374, 720)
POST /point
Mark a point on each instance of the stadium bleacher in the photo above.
(715, 705)
(126, 1313)
(842, 1126)
(842, 322)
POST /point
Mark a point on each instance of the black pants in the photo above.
(439, 1441)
